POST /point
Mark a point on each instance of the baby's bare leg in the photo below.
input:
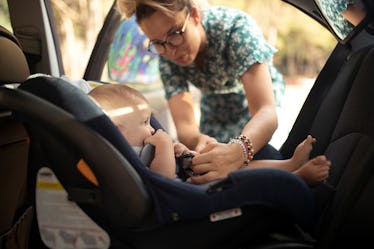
(302, 152)
(315, 170)
(300, 156)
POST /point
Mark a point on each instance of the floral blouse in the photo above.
(234, 44)
(333, 9)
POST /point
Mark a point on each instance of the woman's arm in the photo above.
(217, 160)
(354, 14)
(261, 103)
(182, 111)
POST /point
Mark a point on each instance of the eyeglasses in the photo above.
(173, 40)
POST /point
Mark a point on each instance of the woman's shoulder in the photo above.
(220, 13)
(221, 18)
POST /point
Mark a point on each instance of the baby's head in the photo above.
(127, 108)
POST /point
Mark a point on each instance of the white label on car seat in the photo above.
(225, 214)
(62, 223)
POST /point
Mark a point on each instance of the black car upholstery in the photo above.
(339, 113)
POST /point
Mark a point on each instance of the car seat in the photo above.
(137, 207)
(131, 220)
(15, 212)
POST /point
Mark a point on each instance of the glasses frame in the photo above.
(162, 44)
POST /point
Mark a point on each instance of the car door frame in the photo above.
(34, 26)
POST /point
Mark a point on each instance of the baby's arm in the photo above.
(164, 160)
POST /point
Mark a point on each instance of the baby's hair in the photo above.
(112, 96)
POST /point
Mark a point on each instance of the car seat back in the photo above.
(338, 112)
(344, 206)
(16, 212)
(14, 67)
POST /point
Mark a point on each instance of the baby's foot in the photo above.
(302, 152)
(315, 170)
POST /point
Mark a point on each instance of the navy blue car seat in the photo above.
(136, 206)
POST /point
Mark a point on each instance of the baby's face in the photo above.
(135, 125)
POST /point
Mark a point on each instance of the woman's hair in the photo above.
(145, 8)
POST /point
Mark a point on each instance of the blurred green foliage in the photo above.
(4, 14)
(303, 44)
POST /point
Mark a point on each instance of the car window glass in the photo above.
(129, 60)
(4, 15)
(342, 16)
(78, 24)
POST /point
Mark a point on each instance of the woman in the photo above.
(223, 53)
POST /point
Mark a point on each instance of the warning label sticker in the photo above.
(62, 223)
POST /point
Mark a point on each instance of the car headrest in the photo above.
(13, 63)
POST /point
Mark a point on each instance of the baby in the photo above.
(131, 113)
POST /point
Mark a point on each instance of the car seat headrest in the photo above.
(13, 63)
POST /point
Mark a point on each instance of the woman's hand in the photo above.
(216, 161)
(180, 149)
(203, 141)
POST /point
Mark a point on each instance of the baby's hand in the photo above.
(159, 138)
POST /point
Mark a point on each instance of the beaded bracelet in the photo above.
(247, 147)
(238, 141)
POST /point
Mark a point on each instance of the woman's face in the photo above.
(158, 27)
